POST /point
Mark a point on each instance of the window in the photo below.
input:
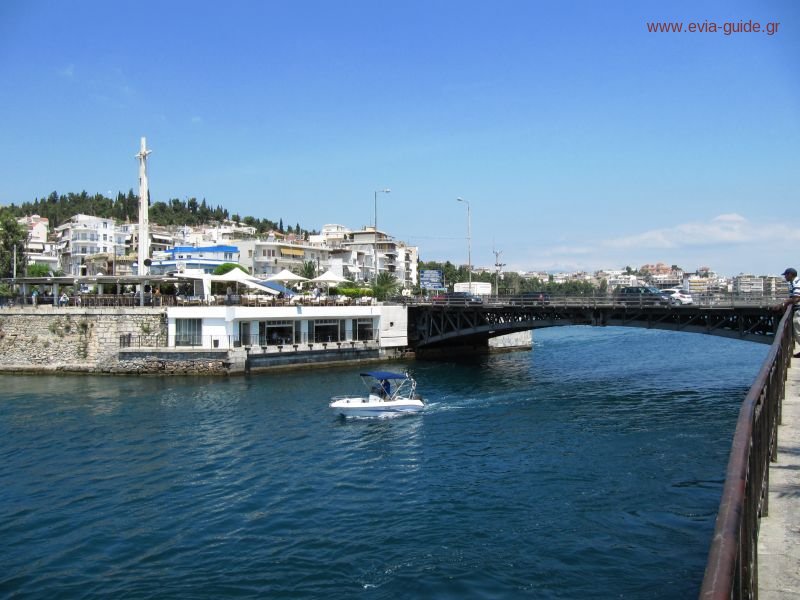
(276, 332)
(324, 330)
(188, 332)
(363, 329)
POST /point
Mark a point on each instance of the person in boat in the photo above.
(386, 388)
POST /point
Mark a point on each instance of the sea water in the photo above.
(591, 467)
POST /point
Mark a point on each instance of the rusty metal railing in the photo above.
(732, 568)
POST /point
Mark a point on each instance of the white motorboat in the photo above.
(389, 394)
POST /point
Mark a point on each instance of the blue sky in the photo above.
(581, 140)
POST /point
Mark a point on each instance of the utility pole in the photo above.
(498, 267)
(469, 241)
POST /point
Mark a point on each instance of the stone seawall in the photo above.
(87, 340)
(73, 339)
(171, 361)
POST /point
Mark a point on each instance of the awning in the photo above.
(292, 252)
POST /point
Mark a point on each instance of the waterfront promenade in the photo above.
(779, 538)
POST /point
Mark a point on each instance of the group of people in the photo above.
(63, 299)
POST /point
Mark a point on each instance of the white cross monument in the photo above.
(144, 220)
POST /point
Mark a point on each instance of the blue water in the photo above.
(589, 468)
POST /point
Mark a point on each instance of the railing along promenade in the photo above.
(732, 568)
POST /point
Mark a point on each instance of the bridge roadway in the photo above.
(439, 326)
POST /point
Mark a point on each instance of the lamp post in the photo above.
(469, 242)
(375, 247)
(498, 266)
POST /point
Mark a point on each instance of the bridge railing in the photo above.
(718, 300)
(731, 571)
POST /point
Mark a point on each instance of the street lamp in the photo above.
(375, 247)
(498, 266)
(469, 242)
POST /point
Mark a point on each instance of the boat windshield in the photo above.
(388, 385)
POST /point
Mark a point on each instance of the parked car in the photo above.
(681, 296)
(457, 298)
(643, 296)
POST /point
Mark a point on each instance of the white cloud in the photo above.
(729, 243)
(67, 72)
(723, 229)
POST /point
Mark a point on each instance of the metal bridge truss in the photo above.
(434, 326)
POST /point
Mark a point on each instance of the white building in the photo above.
(267, 257)
(748, 284)
(622, 280)
(307, 327)
(38, 248)
(379, 253)
(193, 258)
(83, 236)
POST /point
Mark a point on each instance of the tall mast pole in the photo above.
(144, 220)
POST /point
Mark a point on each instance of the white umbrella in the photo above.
(239, 276)
(329, 277)
(286, 275)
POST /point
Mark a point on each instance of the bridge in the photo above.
(733, 566)
(436, 327)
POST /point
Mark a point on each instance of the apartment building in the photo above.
(193, 258)
(84, 236)
(39, 249)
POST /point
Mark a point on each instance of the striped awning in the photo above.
(292, 252)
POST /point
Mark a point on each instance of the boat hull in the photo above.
(375, 407)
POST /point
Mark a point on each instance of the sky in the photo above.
(577, 139)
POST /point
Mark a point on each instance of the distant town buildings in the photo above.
(89, 246)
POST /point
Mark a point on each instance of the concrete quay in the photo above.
(779, 537)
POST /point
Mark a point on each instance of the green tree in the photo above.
(38, 270)
(227, 268)
(385, 286)
(309, 270)
(12, 235)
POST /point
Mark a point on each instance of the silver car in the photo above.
(680, 296)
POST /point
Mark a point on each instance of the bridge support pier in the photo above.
(443, 352)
